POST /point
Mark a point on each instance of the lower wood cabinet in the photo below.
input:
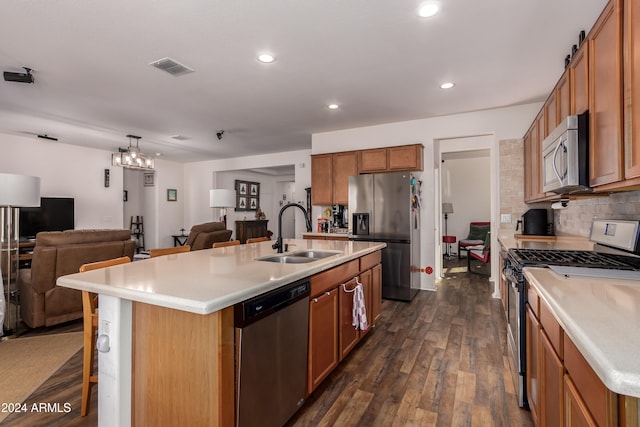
(251, 229)
(532, 375)
(331, 332)
(551, 381)
(575, 410)
(323, 337)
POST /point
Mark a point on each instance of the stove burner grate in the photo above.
(544, 257)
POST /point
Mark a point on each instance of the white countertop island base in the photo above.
(170, 326)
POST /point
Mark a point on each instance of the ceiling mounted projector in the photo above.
(19, 77)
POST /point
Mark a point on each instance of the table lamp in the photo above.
(221, 198)
(16, 191)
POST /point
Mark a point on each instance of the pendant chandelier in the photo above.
(131, 157)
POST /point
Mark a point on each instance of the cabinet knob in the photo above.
(315, 300)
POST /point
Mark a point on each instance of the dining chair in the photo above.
(90, 321)
(223, 244)
(257, 239)
(168, 251)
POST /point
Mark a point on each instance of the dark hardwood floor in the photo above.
(437, 361)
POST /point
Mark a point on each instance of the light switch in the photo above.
(505, 218)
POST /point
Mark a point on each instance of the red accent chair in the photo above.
(477, 234)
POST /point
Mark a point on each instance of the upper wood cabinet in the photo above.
(632, 89)
(344, 165)
(374, 160)
(605, 97)
(330, 172)
(406, 158)
(322, 179)
(533, 158)
(563, 95)
(389, 159)
(579, 69)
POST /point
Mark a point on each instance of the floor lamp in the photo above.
(447, 208)
(221, 198)
(16, 191)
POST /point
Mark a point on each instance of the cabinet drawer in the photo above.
(552, 328)
(326, 280)
(600, 401)
(369, 261)
(533, 300)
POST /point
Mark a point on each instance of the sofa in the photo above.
(57, 253)
(203, 236)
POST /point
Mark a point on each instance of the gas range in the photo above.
(568, 258)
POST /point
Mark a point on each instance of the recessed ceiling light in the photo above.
(333, 106)
(266, 58)
(428, 9)
(447, 85)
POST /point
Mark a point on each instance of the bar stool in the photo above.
(90, 319)
(448, 240)
(168, 251)
(257, 239)
(223, 244)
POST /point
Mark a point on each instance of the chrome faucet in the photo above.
(278, 244)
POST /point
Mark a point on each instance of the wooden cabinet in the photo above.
(251, 229)
(374, 160)
(376, 294)
(632, 90)
(579, 83)
(327, 236)
(551, 383)
(349, 335)
(322, 179)
(576, 413)
(563, 95)
(323, 337)
(550, 113)
(406, 158)
(605, 97)
(344, 166)
(532, 377)
(533, 159)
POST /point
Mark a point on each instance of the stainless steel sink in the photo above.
(298, 257)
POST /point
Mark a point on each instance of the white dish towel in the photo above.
(359, 310)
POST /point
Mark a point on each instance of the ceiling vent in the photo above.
(172, 67)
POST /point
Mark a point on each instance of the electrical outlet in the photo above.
(505, 218)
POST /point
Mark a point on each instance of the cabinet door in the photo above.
(376, 294)
(605, 101)
(632, 89)
(323, 337)
(580, 80)
(551, 113)
(406, 158)
(374, 160)
(365, 278)
(322, 179)
(575, 410)
(551, 394)
(349, 335)
(344, 166)
(563, 95)
(528, 163)
(532, 334)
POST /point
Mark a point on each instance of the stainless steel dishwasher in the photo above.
(273, 331)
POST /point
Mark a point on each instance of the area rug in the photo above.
(26, 363)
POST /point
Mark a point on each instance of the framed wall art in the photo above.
(172, 195)
(149, 179)
(247, 195)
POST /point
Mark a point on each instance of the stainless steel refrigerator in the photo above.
(386, 208)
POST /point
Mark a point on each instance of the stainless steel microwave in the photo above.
(565, 156)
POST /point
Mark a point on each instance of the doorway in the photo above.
(468, 180)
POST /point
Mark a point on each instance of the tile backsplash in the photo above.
(576, 218)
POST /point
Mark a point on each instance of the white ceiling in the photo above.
(377, 59)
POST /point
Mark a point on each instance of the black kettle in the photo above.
(534, 222)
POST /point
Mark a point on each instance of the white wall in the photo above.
(69, 171)
(200, 177)
(501, 123)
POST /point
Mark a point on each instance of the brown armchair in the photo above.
(203, 236)
(56, 254)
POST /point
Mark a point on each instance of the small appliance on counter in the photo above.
(534, 223)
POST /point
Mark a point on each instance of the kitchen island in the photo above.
(168, 324)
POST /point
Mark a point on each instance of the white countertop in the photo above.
(508, 240)
(602, 318)
(209, 280)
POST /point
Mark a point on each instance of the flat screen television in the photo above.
(54, 214)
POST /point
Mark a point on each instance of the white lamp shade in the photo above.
(447, 208)
(220, 198)
(19, 190)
